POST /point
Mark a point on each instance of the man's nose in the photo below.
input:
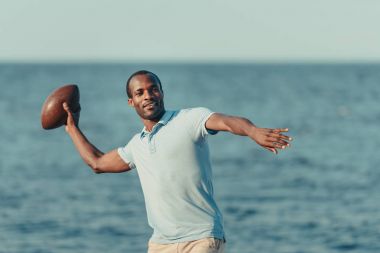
(147, 95)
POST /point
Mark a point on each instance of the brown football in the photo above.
(52, 114)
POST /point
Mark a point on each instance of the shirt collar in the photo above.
(163, 121)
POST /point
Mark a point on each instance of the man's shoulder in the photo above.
(191, 113)
(194, 110)
(195, 119)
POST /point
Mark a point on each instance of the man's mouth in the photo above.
(149, 105)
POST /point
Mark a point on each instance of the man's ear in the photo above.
(130, 102)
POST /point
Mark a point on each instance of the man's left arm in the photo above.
(269, 138)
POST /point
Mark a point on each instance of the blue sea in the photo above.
(322, 195)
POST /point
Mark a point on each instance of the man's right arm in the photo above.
(100, 162)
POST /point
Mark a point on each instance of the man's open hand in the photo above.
(271, 139)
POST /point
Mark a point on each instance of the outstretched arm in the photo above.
(99, 162)
(270, 139)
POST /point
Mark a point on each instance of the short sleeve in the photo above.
(126, 154)
(197, 118)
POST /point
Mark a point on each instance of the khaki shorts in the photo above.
(206, 245)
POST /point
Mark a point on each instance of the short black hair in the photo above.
(151, 75)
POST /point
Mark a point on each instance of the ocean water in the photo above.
(322, 195)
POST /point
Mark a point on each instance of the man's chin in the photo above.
(155, 115)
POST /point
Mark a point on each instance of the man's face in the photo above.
(147, 97)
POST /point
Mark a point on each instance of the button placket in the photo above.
(151, 142)
(151, 139)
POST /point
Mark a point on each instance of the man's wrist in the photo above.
(71, 129)
(252, 131)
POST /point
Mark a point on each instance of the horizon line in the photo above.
(193, 62)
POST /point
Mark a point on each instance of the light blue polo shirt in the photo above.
(173, 164)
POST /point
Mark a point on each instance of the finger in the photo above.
(279, 141)
(281, 136)
(276, 145)
(285, 137)
(66, 107)
(279, 145)
(279, 130)
(273, 150)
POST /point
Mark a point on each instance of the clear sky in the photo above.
(196, 30)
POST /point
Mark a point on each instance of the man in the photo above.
(172, 159)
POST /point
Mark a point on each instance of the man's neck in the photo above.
(150, 123)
